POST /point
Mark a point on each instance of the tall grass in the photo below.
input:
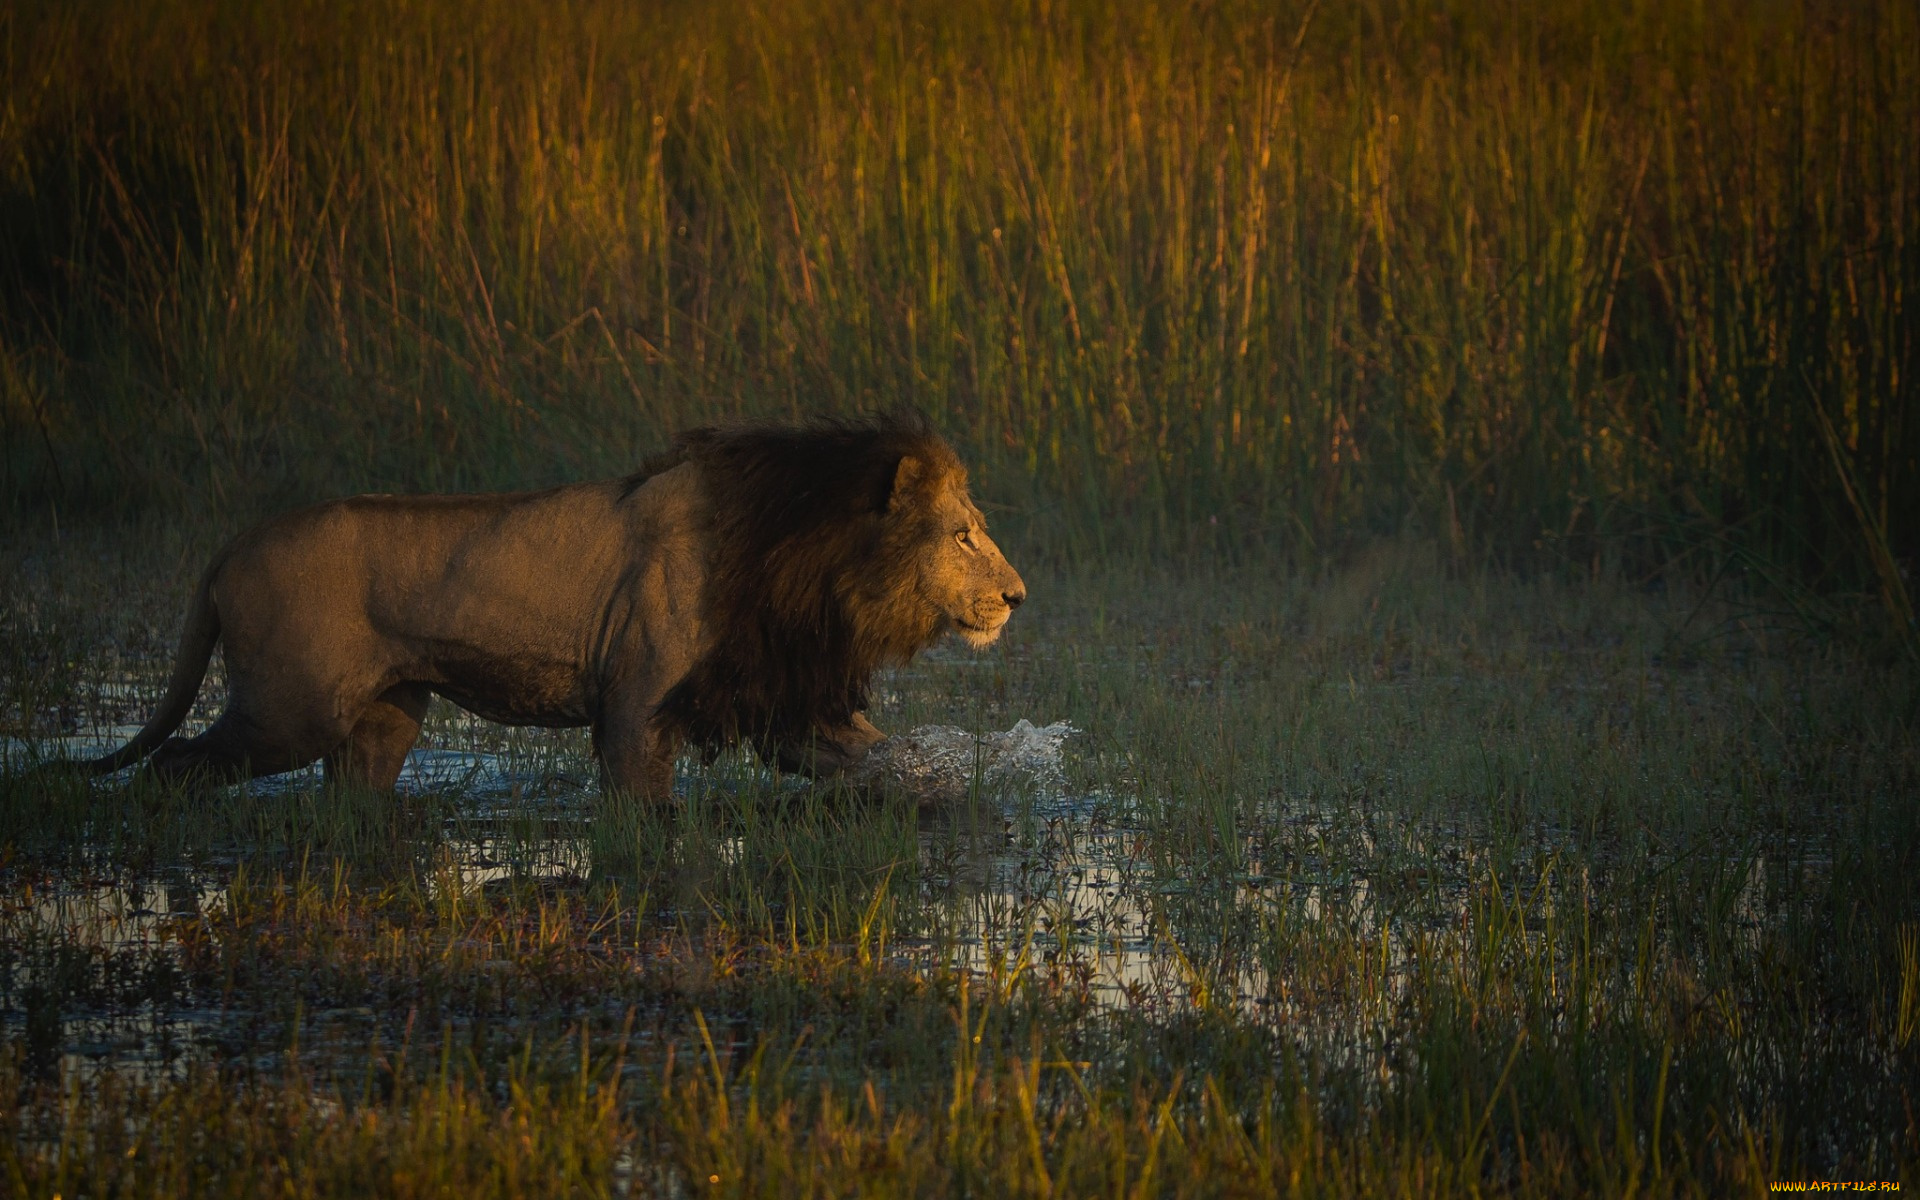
(1582, 277)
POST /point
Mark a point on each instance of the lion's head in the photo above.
(837, 547)
(958, 576)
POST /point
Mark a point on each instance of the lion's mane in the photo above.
(811, 583)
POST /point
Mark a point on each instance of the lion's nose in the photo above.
(1014, 597)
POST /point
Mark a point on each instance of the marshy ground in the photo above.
(1396, 877)
(1463, 455)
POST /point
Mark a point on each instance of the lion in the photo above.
(742, 587)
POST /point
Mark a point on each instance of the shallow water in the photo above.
(112, 914)
(1020, 871)
(1017, 874)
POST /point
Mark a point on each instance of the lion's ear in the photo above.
(906, 477)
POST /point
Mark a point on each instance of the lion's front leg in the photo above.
(636, 755)
(831, 752)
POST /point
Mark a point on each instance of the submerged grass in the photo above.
(1386, 880)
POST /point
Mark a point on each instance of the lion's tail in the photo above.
(197, 640)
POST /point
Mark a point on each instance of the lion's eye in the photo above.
(965, 538)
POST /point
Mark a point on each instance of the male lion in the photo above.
(742, 586)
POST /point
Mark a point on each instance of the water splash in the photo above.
(944, 764)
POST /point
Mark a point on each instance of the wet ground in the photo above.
(1365, 864)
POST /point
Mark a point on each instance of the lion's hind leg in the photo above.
(232, 750)
(376, 750)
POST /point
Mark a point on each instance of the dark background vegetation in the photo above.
(1614, 285)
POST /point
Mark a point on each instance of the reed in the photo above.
(1608, 285)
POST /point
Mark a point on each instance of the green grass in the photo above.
(1430, 883)
(1597, 285)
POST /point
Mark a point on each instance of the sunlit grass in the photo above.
(1572, 280)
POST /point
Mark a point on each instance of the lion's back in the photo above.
(463, 584)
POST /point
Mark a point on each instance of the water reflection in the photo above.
(90, 973)
(1086, 892)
